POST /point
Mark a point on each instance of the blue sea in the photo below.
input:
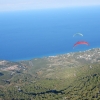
(31, 34)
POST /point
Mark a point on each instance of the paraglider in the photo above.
(78, 34)
(80, 42)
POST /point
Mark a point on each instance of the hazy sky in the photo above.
(8, 5)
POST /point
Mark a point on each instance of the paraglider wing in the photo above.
(81, 34)
(78, 34)
(81, 42)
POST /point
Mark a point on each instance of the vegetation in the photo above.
(42, 79)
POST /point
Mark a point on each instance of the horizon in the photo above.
(6, 6)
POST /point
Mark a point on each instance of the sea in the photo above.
(30, 34)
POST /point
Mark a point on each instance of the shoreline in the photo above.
(50, 55)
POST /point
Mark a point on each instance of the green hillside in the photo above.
(74, 76)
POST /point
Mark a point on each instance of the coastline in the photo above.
(51, 55)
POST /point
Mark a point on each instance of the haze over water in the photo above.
(39, 33)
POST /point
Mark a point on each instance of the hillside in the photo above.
(72, 76)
